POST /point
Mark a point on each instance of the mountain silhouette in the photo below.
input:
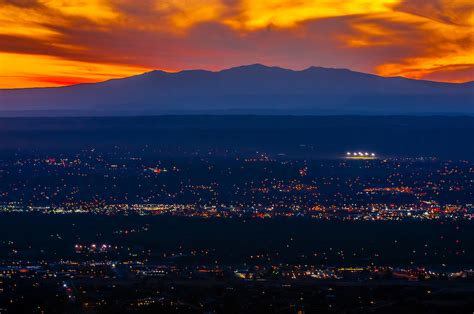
(251, 89)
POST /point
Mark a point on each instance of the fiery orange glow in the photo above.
(59, 42)
(42, 71)
(288, 13)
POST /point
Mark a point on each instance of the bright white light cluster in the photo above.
(360, 154)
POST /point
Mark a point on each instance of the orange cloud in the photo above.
(25, 70)
(184, 14)
(99, 11)
(59, 42)
(288, 13)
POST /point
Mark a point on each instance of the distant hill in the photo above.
(252, 89)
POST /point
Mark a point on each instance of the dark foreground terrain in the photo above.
(237, 214)
(308, 137)
(150, 264)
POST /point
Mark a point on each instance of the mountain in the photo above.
(249, 89)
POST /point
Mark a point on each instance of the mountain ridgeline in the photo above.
(253, 89)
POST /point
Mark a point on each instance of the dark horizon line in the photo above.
(245, 66)
(84, 114)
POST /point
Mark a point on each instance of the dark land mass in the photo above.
(240, 244)
(435, 244)
(306, 137)
(253, 89)
(55, 263)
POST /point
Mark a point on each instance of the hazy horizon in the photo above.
(241, 66)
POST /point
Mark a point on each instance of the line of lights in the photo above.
(361, 154)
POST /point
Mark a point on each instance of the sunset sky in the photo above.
(63, 42)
